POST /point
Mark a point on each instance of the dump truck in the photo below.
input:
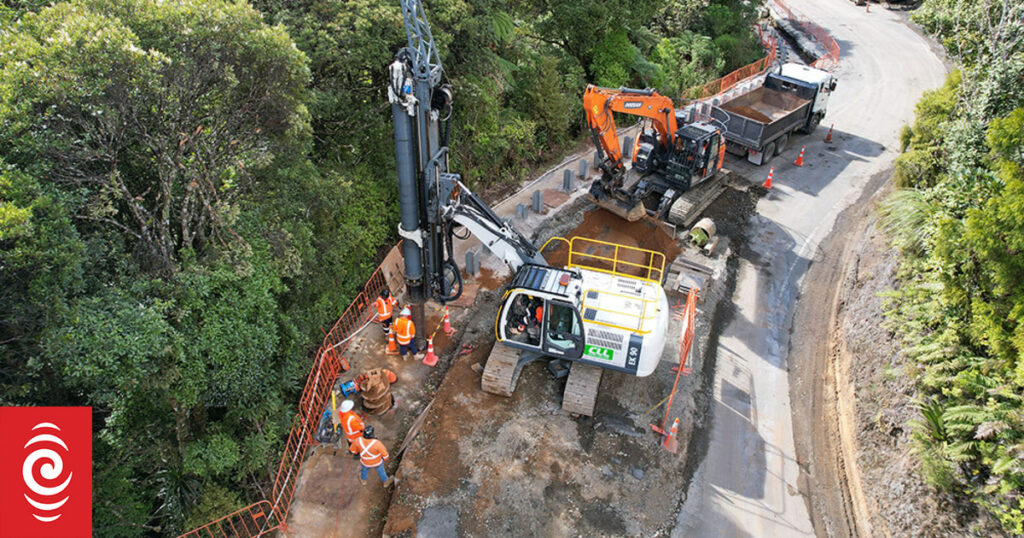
(760, 122)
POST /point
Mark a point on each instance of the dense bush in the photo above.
(188, 191)
(960, 224)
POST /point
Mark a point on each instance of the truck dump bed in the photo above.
(755, 117)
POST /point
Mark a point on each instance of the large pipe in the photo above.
(408, 200)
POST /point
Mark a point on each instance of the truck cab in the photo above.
(822, 81)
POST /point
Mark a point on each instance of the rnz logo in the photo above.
(45, 472)
(45, 462)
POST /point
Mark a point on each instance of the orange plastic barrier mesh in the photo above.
(269, 515)
(725, 83)
(720, 85)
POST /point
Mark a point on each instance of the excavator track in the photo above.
(688, 207)
(581, 389)
(501, 374)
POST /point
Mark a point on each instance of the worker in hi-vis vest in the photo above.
(351, 425)
(371, 454)
(385, 305)
(405, 333)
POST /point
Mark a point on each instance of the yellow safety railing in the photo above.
(653, 269)
(641, 317)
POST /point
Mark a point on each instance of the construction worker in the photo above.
(385, 304)
(351, 425)
(405, 333)
(371, 454)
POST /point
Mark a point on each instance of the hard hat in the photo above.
(406, 312)
(347, 406)
(368, 432)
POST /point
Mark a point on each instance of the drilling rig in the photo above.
(605, 310)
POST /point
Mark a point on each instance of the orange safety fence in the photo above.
(768, 41)
(689, 315)
(269, 515)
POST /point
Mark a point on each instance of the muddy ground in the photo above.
(485, 465)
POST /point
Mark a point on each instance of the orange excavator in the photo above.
(674, 170)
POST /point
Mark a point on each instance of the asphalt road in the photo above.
(747, 484)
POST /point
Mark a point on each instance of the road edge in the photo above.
(825, 447)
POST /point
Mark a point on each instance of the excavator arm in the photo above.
(599, 104)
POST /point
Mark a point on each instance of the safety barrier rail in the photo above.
(768, 41)
(652, 267)
(253, 520)
(266, 516)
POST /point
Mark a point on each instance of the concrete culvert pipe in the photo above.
(703, 232)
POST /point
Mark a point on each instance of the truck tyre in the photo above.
(769, 152)
(813, 124)
(781, 144)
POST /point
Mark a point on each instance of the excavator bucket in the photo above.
(622, 208)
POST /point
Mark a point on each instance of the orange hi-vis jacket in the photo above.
(352, 425)
(384, 307)
(371, 451)
(404, 331)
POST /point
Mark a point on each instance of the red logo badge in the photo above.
(45, 471)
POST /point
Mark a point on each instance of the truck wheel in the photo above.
(781, 144)
(814, 124)
(769, 152)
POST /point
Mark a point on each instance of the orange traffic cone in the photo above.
(392, 345)
(672, 442)
(447, 323)
(828, 138)
(768, 182)
(800, 160)
(430, 359)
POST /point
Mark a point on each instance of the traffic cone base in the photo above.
(800, 160)
(430, 359)
(768, 182)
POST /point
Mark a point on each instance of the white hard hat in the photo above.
(406, 312)
(347, 406)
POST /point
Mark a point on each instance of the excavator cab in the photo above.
(547, 325)
(539, 315)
